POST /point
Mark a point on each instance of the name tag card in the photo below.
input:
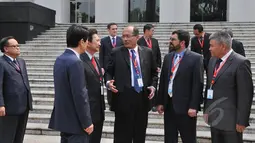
(209, 94)
(140, 82)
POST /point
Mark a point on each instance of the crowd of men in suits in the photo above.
(129, 67)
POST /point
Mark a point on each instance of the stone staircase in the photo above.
(41, 53)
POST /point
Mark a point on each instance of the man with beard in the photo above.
(94, 83)
(180, 89)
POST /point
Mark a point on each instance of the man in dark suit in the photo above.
(94, 84)
(71, 112)
(132, 77)
(237, 46)
(147, 41)
(229, 91)
(200, 44)
(180, 89)
(15, 95)
(107, 44)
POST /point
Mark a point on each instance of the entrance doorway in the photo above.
(208, 10)
(82, 11)
(143, 11)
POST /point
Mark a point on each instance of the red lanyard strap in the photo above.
(216, 71)
(149, 43)
(135, 64)
(201, 42)
(174, 66)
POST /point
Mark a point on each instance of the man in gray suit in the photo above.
(229, 91)
(15, 96)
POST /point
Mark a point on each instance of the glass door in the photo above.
(208, 10)
(82, 11)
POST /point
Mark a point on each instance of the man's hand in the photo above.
(160, 109)
(2, 111)
(240, 128)
(158, 69)
(206, 118)
(192, 112)
(111, 86)
(152, 92)
(102, 69)
(90, 129)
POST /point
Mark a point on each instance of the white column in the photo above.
(241, 10)
(107, 11)
(174, 11)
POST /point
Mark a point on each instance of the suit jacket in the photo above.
(106, 49)
(232, 93)
(15, 92)
(187, 85)
(237, 46)
(94, 85)
(196, 47)
(119, 69)
(71, 112)
(155, 49)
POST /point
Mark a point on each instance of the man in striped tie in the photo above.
(132, 77)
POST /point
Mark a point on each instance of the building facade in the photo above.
(163, 11)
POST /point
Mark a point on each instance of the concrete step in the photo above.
(152, 123)
(158, 37)
(56, 139)
(151, 134)
(40, 75)
(41, 81)
(157, 32)
(46, 70)
(237, 36)
(39, 65)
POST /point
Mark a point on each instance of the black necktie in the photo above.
(218, 63)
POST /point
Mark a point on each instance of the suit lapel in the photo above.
(8, 60)
(125, 54)
(141, 58)
(118, 41)
(88, 61)
(21, 66)
(169, 65)
(225, 66)
(99, 68)
(183, 62)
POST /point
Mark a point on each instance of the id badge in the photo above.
(140, 82)
(102, 90)
(209, 94)
(170, 86)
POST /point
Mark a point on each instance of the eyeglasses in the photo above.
(173, 39)
(13, 46)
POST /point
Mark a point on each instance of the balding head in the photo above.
(130, 36)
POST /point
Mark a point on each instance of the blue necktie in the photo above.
(136, 72)
(113, 42)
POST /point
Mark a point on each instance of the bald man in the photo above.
(132, 77)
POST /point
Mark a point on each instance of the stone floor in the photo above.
(56, 139)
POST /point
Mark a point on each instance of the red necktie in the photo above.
(94, 64)
(149, 43)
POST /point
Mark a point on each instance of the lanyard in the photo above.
(149, 43)
(201, 43)
(174, 67)
(135, 64)
(216, 71)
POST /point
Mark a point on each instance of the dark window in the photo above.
(82, 11)
(143, 11)
(208, 10)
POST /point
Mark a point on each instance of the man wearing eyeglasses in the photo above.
(15, 96)
(132, 77)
